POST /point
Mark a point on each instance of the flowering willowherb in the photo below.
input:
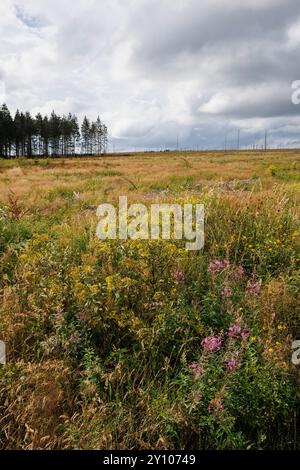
(215, 406)
(253, 287)
(212, 343)
(233, 361)
(239, 272)
(245, 334)
(197, 369)
(179, 276)
(227, 292)
(235, 330)
(218, 266)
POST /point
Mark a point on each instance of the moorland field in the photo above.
(142, 344)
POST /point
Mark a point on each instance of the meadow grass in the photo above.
(144, 345)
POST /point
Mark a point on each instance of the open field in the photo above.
(120, 345)
(153, 171)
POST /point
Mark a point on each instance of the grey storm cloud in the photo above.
(158, 71)
(204, 27)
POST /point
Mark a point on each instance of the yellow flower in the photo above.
(94, 289)
(87, 269)
(109, 283)
(270, 350)
(294, 235)
(281, 327)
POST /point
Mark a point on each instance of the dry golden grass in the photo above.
(140, 173)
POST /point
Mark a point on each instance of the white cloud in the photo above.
(155, 68)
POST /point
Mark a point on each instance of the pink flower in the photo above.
(218, 266)
(227, 292)
(197, 369)
(245, 334)
(239, 272)
(253, 288)
(235, 330)
(212, 343)
(232, 362)
(179, 276)
(215, 406)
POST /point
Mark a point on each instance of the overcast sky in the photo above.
(158, 70)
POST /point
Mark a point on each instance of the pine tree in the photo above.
(29, 134)
(6, 132)
(18, 133)
(104, 138)
(55, 133)
(99, 131)
(45, 134)
(86, 133)
(39, 132)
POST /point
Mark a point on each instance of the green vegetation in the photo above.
(122, 345)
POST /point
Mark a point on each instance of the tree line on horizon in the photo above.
(22, 135)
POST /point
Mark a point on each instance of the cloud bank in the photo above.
(159, 72)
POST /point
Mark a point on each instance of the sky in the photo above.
(161, 73)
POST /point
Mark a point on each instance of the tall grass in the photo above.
(122, 345)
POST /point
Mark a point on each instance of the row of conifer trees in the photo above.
(27, 136)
